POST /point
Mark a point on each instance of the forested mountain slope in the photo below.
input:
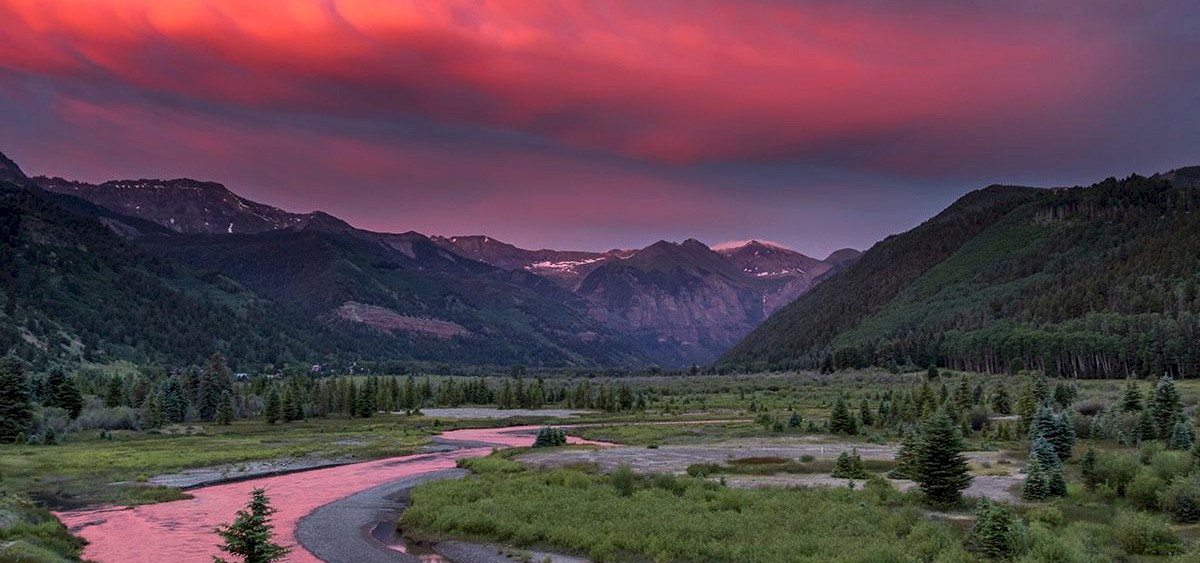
(1095, 281)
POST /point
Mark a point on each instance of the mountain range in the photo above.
(1097, 281)
(333, 290)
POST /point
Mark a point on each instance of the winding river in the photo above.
(182, 531)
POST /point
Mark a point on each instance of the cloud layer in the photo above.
(568, 121)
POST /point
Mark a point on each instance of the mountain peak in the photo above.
(11, 173)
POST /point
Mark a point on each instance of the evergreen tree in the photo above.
(996, 533)
(906, 456)
(932, 372)
(1182, 436)
(962, 395)
(1088, 470)
(287, 404)
(1044, 451)
(64, 393)
(1146, 429)
(864, 413)
(1165, 406)
(1056, 482)
(114, 395)
(941, 469)
(1065, 394)
(548, 437)
(364, 406)
(213, 384)
(1132, 400)
(1027, 404)
(16, 414)
(174, 403)
(795, 421)
(1001, 402)
(249, 536)
(271, 410)
(224, 415)
(152, 411)
(849, 466)
(840, 419)
(1035, 487)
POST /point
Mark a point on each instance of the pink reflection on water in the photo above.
(182, 531)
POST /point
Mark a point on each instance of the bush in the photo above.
(1169, 465)
(1143, 491)
(489, 464)
(624, 481)
(1182, 500)
(1048, 515)
(1143, 534)
(703, 469)
(102, 418)
(1117, 470)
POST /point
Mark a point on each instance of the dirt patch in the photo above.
(388, 320)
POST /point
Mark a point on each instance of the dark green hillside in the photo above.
(73, 290)
(1097, 281)
(313, 272)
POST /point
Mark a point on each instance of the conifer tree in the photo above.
(849, 466)
(114, 394)
(962, 395)
(16, 413)
(865, 414)
(1001, 402)
(1027, 405)
(1035, 487)
(941, 469)
(795, 421)
(840, 419)
(1146, 429)
(906, 456)
(272, 407)
(996, 533)
(1165, 406)
(1182, 436)
(1088, 470)
(249, 536)
(1132, 399)
(64, 394)
(224, 415)
(287, 404)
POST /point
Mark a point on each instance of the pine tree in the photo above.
(272, 407)
(962, 395)
(16, 413)
(1027, 405)
(849, 466)
(941, 469)
(840, 419)
(1001, 402)
(906, 456)
(1056, 482)
(1043, 450)
(932, 372)
(213, 383)
(548, 437)
(996, 533)
(1065, 394)
(795, 421)
(1165, 406)
(1035, 487)
(364, 406)
(1132, 400)
(64, 394)
(250, 534)
(225, 410)
(152, 411)
(1182, 436)
(287, 404)
(1146, 429)
(864, 413)
(114, 395)
(1088, 470)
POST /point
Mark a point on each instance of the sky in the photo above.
(597, 125)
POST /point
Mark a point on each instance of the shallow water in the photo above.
(183, 531)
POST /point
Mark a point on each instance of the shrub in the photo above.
(116, 418)
(624, 481)
(703, 469)
(1143, 491)
(1182, 500)
(1049, 515)
(1169, 465)
(489, 464)
(1117, 470)
(1143, 534)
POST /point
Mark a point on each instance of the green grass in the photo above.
(677, 519)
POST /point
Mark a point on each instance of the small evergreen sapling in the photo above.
(249, 536)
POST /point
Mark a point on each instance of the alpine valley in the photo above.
(168, 270)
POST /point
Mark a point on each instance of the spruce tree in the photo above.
(1056, 481)
(1165, 406)
(1088, 470)
(1027, 405)
(1001, 402)
(996, 533)
(1132, 400)
(962, 395)
(849, 466)
(224, 415)
(864, 413)
(1035, 487)
(16, 413)
(272, 407)
(64, 394)
(287, 404)
(840, 419)
(941, 469)
(795, 421)
(1182, 436)
(1146, 429)
(249, 536)
(906, 456)
(114, 395)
